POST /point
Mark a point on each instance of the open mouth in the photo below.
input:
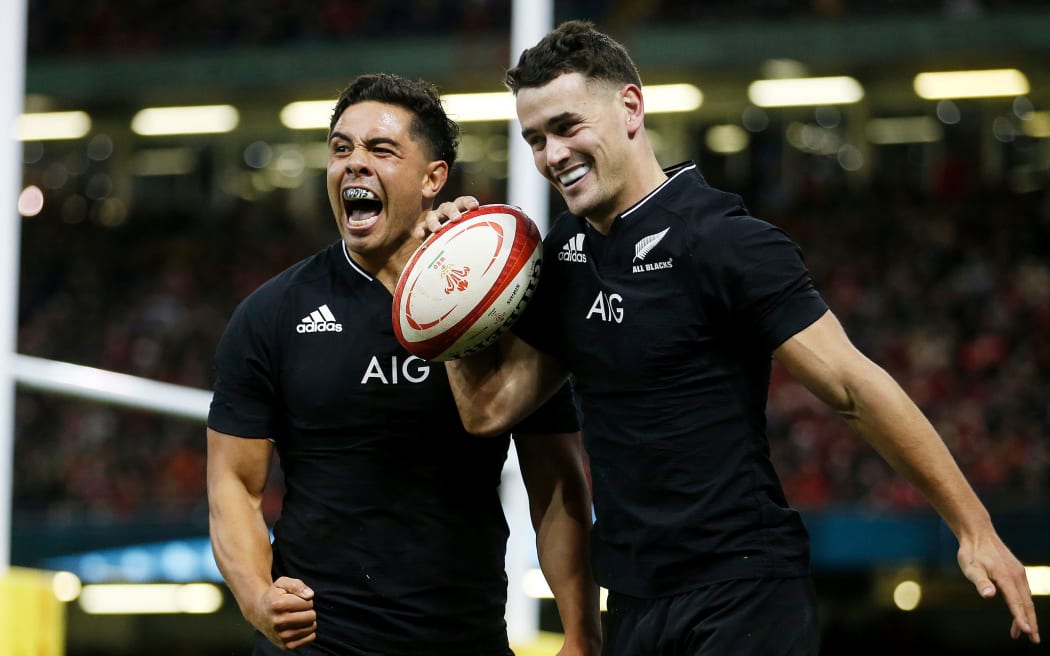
(568, 178)
(362, 207)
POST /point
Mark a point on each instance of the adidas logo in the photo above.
(320, 320)
(572, 251)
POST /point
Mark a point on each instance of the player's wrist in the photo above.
(585, 641)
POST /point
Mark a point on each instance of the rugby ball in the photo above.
(467, 283)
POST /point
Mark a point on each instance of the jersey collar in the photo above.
(354, 265)
(673, 173)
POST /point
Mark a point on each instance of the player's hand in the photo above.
(285, 614)
(991, 567)
(445, 212)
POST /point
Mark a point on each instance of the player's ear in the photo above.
(634, 108)
(434, 178)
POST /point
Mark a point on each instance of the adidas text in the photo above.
(326, 327)
(566, 256)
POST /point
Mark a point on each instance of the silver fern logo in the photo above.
(642, 248)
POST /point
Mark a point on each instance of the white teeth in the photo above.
(361, 223)
(573, 175)
(357, 193)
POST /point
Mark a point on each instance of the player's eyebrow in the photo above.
(553, 120)
(374, 141)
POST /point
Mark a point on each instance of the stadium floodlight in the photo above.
(989, 83)
(66, 586)
(907, 595)
(1038, 579)
(45, 126)
(307, 114)
(199, 119)
(491, 106)
(472, 107)
(1036, 124)
(499, 106)
(805, 91)
(903, 130)
(150, 598)
(726, 139)
(668, 98)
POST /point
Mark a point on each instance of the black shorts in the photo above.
(264, 647)
(750, 617)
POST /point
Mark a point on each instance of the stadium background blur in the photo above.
(935, 254)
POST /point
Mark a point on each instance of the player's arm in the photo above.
(237, 470)
(560, 505)
(823, 359)
(497, 387)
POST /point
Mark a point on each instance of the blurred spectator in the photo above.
(954, 300)
(949, 290)
(66, 27)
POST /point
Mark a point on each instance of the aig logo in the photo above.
(411, 369)
(607, 307)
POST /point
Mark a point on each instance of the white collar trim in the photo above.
(354, 265)
(653, 193)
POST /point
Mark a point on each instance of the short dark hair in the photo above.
(430, 124)
(573, 47)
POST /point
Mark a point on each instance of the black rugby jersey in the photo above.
(667, 325)
(391, 513)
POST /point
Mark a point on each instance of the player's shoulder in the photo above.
(713, 215)
(270, 296)
(687, 198)
(565, 225)
(717, 223)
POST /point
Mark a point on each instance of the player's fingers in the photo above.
(444, 213)
(467, 203)
(295, 587)
(1018, 597)
(295, 620)
(452, 210)
(434, 219)
(978, 575)
(296, 624)
(1019, 601)
(294, 641)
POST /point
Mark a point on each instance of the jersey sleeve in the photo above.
(244, 397)
(762, 277)
(557, 415)
(533, 325)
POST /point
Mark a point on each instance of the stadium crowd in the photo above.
(67, 27)
(948, 288)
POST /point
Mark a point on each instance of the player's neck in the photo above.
(647, 180)
(386, 267)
